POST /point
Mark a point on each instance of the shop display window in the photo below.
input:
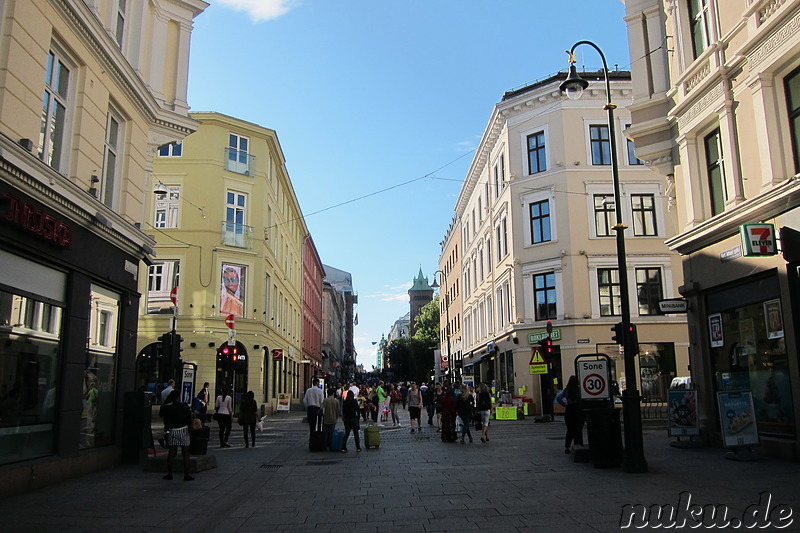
(30, 335)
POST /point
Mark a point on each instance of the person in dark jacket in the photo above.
(570, 398)
(484, 407)
(177, 420)
(465, 405)
(248, 416)
(448, 404)
(350, 414)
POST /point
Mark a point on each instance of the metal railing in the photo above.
(239, 161)
(237, 235)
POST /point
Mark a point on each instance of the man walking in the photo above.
(312, 401)
(330, 415)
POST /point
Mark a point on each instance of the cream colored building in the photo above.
(535, 214)
(716, 111)
(88, 90)
(229, 235)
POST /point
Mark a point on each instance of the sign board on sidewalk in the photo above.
(594, 376)
(737, 419)
(683, 419)
(284, 399)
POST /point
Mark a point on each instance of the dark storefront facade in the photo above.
(68, 321)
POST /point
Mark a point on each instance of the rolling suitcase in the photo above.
(316, 442)
(372, 436)
(337, 438)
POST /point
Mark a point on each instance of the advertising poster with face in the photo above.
(232, 290)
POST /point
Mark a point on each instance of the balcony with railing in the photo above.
(237, 235)
(239, 161)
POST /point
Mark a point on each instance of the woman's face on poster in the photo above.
(230, 278)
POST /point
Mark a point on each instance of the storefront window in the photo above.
(748, 350)
(99, 375)
(30, 333)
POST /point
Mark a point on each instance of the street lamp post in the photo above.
(446, 301)
(634, 460)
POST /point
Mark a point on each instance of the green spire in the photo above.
(420, 283)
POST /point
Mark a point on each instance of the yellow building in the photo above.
(88, 90)
(229, 235)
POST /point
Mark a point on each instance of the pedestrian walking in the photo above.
(363, 403)
(177, 419)
(570, 397)
(427, 402)
(330, 415)
(395, 399)
(448, 416)
(465, 405)
(484, 407)
(382, 406)
(223, 414)
(414, 406)
(374, 404)
(350, 416)
(204, 396)
(248, 416)
(404, 393)
(438, 393)
(312, 401)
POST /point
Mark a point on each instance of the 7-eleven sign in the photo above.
(758, 240)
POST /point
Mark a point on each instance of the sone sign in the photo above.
(593, 379)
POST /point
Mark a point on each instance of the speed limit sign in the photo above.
(593, 378)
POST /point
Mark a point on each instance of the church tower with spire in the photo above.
(419, 295)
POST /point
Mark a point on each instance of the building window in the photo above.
(167, 208)
(644, 215)
(608, 289)
(544, 295)
(649, 290)
(162, 278)
(53, 134)
(716, 172)
(536, 153)
(238, 158)
(120, 29)
(488, 254)
(540, 222)
(699, 26)
(502, 239)
(601, 145)
(604, 214)
(235, 229)
(171, 150)
(111, 159)
(632, 159)
(793, 103)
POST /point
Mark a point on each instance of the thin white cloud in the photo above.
(465, 146)
(261, 10)
(398, 293)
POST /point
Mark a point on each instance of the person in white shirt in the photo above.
(312, 401)
(169, 388)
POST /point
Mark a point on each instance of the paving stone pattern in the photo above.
(520, 481)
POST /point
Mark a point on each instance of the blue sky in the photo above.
(366, 95)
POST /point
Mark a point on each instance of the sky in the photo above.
(379, 106)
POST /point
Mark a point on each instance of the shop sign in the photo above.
(673, 305)
(37, 222)
(758, 240)
(533, 338)
(277, 355)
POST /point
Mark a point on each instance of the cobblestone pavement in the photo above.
(520, 481)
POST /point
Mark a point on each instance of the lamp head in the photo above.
(435, 285)
(160, 190)
(574, 84)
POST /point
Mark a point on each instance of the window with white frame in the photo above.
(167, 208)
(536, 153)
(632, 159)
(489, 253)
(162, 277)
(604, 214)
(501, 308)
(539, 213)
(56, 105)
(238, 156)
(544, 295)
(502, 239)
(609, 291)
(600, 144)
(715, 171)
(171, 150)
(699, 26)
(649, 290)
(119, 32)
(481, 272)
(235, 230)
(643, 208)
(112, 159)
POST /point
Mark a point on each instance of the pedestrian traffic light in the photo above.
(619, 333)
(546, 345)
(166, 346)
(633, 337)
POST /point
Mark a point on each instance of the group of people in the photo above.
(445, 405)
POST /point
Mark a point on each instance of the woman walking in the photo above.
(570, 398)
(395, 399)
(177, 419)
(484, 408)
(465, 404)
(448, 416)
(248, 416)
(414, 406)
(223, 413)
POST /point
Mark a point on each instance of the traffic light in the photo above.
(619, 333)
(165, 343)
(547, 347)
(177, 349)
(634, 338)
(228, 353)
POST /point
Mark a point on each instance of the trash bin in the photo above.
(198, 440)
(605, 437)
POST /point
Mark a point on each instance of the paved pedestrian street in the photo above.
(520, 480)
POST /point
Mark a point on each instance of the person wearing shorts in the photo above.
(414, 406)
